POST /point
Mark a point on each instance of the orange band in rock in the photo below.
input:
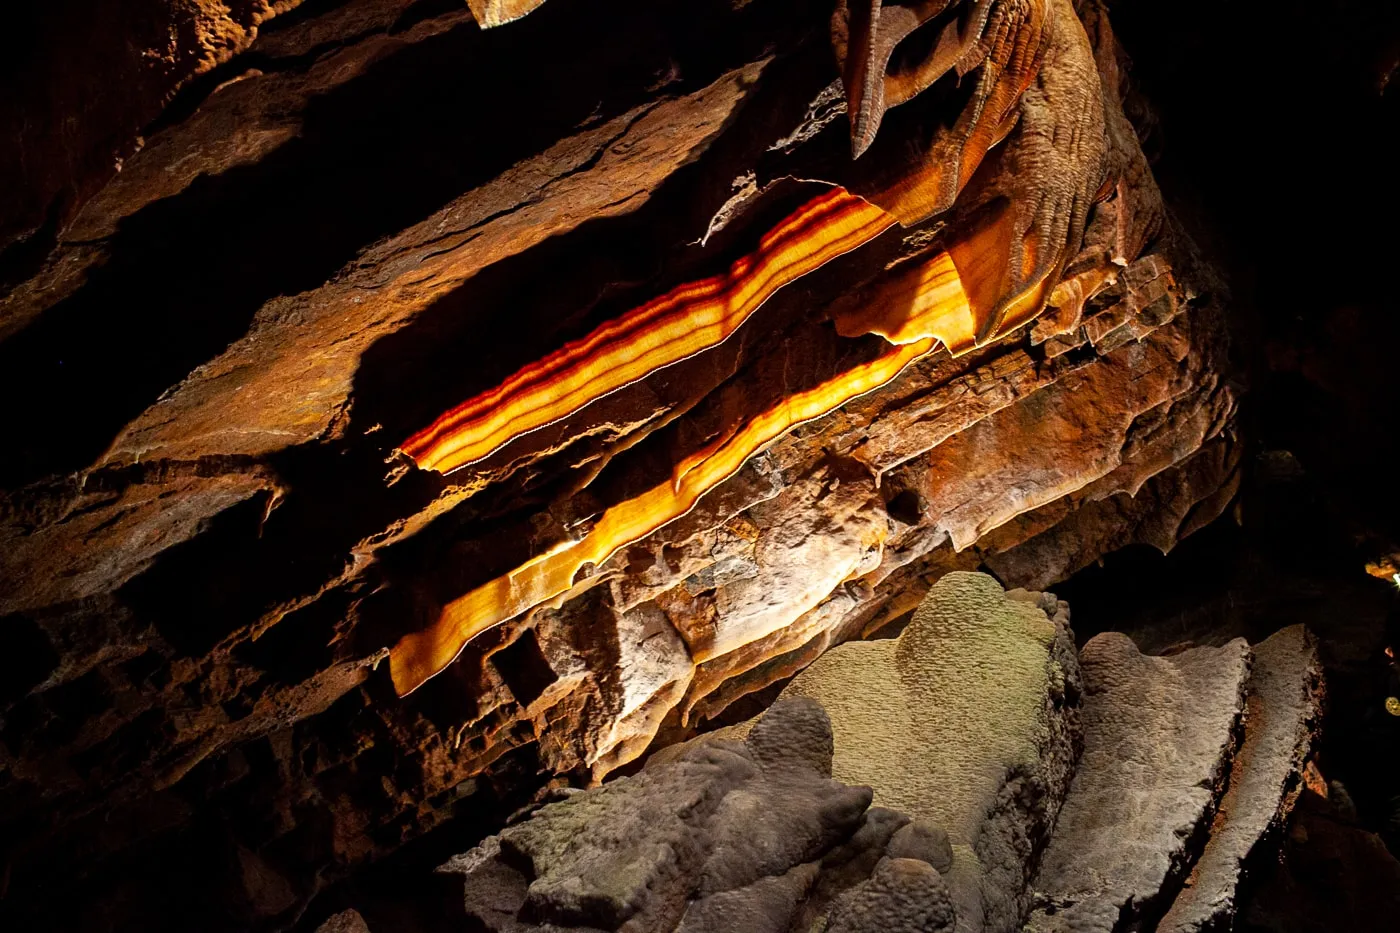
(421, 655)
(685, 321)
(926, 308)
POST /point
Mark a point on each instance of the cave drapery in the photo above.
(416, 404)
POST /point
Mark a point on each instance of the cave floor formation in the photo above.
(688, 465)
(1305, 609)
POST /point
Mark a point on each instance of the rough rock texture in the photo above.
(348, 921)
(903, 896)
(725, 836)
(1282, 715)
(331, 238)
(744, 829)
(968, 721)
(66, 133)
(1159, 734)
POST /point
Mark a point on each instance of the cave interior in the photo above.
(671, 466)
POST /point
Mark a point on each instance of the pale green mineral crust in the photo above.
(968, 721)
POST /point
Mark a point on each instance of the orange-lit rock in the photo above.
(419, 656)
(685, 321)
(209, 538)
(498, 12)
(923, 308)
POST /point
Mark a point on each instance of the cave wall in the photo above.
(211, 541)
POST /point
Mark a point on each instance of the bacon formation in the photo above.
(918, 311)
(685, 321)
(1017, 173)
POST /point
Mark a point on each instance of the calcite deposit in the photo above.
(222, 528)
(767, 825)
(973, 662)
(1158, 738)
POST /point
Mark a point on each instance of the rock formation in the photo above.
(745, 828)
(1158, 736)
(236, 523)
(1168, 802)
(973, 662)
(1281, 718)
(348, 921)
(723, 836)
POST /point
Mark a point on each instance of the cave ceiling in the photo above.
(412, 398)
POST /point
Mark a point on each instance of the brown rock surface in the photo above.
(336, 235)
(348, 921)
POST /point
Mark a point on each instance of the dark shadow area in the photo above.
(266, 552)
(28, 657)
(206, 588)
(401, 894)
(524, 668)
(1278, 137)
(1330, 876)
(300, 644)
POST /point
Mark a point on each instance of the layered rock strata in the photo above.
(212, 534)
